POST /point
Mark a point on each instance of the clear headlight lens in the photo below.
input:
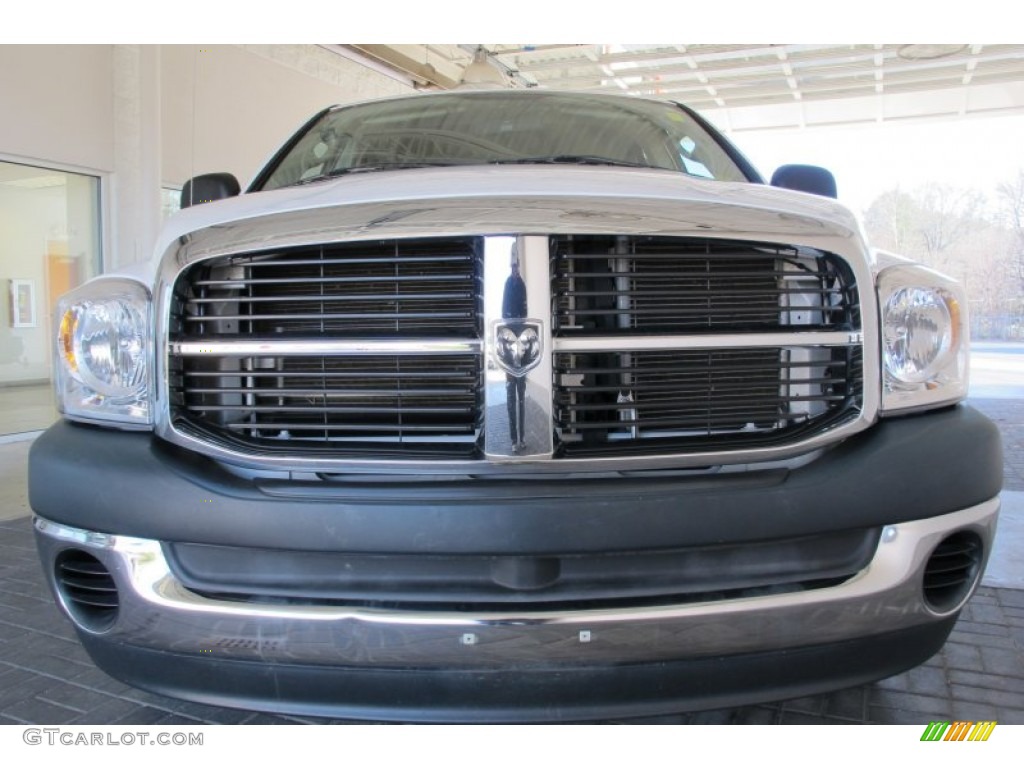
(924, 338)
(103, 353)
(918, 333)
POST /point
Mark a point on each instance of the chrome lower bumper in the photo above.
(157, 612)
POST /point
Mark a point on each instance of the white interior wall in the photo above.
(57, 104)
(135, 184)
(141, 116)
(228, 108)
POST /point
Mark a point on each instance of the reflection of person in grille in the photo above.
(513, 307)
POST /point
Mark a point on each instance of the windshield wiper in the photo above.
(569, 160)
(370, 169)
(543, 159)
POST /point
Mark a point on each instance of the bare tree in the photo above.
(1011, 199)
(926, 223)
(891, 221)
(959, 232)
(948, 215)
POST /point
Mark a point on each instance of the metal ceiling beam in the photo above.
(673, 52)
(801, 68)
(414, 61)
(505, 50)
(719, 78)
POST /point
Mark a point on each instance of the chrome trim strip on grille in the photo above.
(711, 341)
(520, 430)
(332, 348)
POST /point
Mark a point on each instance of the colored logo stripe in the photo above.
(961, 730)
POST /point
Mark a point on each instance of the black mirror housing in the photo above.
(806, 178)
(209, 187)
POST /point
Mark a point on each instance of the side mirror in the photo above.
(805, 178)
(209, 187)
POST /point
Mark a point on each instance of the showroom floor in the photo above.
(26, 408)
(46, 678)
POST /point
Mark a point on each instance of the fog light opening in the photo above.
(952, 571)
(87, 590)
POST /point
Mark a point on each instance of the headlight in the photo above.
(924, 338)
(103, 360)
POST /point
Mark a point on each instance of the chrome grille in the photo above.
(408, 288)
(659, 347)
(610, 284)
(688, 400)
(293, 303)
(426, 404)
(617, 395)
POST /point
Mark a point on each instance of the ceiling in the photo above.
(745, 87)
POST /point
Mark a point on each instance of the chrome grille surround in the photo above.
(339, 225)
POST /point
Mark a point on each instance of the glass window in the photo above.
(170, 202)
(49, 244)
(505, 127)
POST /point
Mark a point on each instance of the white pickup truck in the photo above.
(513, 406)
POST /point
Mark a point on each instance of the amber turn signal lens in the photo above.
(66, 338)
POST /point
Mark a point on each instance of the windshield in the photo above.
(504, 127)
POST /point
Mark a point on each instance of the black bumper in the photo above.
(132, 484)
(926, 477)
(522, 694)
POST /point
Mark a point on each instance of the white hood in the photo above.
(520, 199)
